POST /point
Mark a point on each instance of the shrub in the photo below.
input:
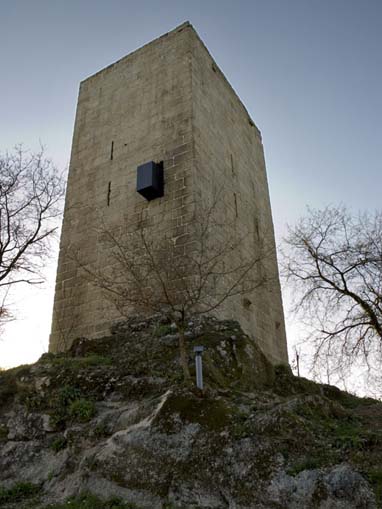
(67, 395)
(82, 410)
(58, 443)
(60, 405)
(69, 404)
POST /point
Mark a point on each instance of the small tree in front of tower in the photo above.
(179, 277)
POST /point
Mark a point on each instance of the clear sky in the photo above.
(308, 71)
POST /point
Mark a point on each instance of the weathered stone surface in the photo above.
(256, 438)
(339, 487)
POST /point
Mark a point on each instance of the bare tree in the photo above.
(179, 277)
(30, 193)
(295, 364)
(334, 261)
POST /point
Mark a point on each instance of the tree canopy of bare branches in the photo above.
(334, 260)
(31, 190)
(159, 274)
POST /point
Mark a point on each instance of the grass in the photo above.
(18, 492)
(81, 362)
(375, 477)
(348, 435)
(89, 501)
(305, 464)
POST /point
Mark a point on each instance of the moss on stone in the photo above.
(210, 413)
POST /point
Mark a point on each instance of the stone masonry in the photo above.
(168, 101)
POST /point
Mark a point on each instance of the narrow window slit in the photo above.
(111, 150)
(235, 200)
(108, 194)
(232, 166)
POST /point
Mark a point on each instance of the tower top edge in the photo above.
(179, 28)
(186, 25)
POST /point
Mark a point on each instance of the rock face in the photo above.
(112, 418)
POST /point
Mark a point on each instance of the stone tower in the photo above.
(167, 101)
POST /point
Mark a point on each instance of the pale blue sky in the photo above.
(308, 71)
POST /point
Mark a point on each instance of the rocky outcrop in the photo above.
(113, 419)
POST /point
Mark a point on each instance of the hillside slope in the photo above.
(111, 425)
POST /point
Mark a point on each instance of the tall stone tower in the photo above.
(167, 101)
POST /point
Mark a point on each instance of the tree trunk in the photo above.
(183, 356)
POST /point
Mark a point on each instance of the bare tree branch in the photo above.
(31, 190)
(334, 262)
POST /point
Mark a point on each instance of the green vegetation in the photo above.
(18, 492)
(348, 435)
(375, 477)
(3, 432)
(67, 395)
(58, 443)
(211, 414)
(82, 410)
(89, 501)
(8, 387)
(69, 405)
(163, 330)
(101, 430)
(314, 426)
(77, 363)
(305, 464)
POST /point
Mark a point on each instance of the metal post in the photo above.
(199, 367)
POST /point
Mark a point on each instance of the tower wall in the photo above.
(229, 159)
(166, 101)
(136, 110)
